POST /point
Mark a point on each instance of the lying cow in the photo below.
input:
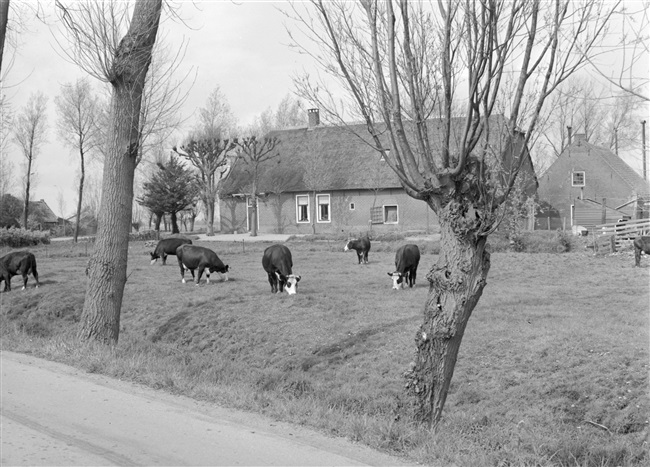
(193, 257)
(362, 247)
(277, 263)
(168, 246)
(407, 259)
(641, 244)
(18, 262)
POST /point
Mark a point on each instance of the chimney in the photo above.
(314, 118)
(569, 132)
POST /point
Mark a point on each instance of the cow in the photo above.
(641, 244)
(168, 246)
(193, 257)
(407, 259)
(277, 263)
(18, 262)
(362, 247)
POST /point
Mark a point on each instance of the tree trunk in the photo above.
(456, 284)
(174, 220)
(27, 188)
(100, 319)
(81, 191)
(210, 211)
(4, 17)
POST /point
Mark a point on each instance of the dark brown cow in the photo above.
(18, 262)
(277, 263)
(168, 246)
(641, 244)
(407, 259)
(193, 257)
(361, 246)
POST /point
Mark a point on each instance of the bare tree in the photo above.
(29, 134)
(216, 119)
(99, 45)
(6, 166)
(4, 18)
(211, 159)
(78, 127)
(402, 63)
(254, 153)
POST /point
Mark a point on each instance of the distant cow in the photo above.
(18, 262)
(641, 244)
(362, 247)
(277, 263)
(168, 246)
(407, 259)
(193, 257)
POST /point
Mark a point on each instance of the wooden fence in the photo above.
(609, 237)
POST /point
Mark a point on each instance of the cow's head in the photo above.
(290, 282)
(398, 280)
(349, 245)
(222, 270)
(154, 257)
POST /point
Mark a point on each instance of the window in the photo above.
(302, 208)
(323, 203)
(351, 206)
(577, 179)
(376, 215)
(390, 214)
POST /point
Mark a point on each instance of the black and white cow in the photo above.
(18, 262)
(362, 247)
(168, 246)
(407, 259)
(641, 244)
(193, 257)
(277, 263)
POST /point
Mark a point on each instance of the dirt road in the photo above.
(52, 414)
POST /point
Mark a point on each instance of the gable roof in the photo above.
(350, 162)
(43, 210)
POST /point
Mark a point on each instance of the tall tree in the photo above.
(402, 63)
(4, 18)
(95, 35)
(254, 153)
(6, 166)
(78, 127)
(29, 134)
(171, 189)
(210, 158)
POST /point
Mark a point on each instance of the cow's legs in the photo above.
(164, 259)
(365, 257)
(272, 281)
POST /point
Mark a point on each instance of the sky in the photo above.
(240, 47)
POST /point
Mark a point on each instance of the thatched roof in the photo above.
(326, 158)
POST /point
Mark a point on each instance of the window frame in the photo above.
(329, 208)
(298, 221)
(573, 178)
(396, 206)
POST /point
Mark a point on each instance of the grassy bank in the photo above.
(553, 369)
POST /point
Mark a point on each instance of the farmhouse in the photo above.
(588, 185)
(327, 179)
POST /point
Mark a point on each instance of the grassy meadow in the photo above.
(553, 369)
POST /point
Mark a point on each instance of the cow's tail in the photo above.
(32, 266)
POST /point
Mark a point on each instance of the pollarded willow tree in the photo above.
(100, 47)
(450, 93)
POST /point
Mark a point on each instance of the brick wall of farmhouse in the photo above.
(349, 211)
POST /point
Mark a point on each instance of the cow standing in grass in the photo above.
(641, 244)
(407, 259)
(193, 257)
(277, 263)
(361, 246)
(18, 262)
(168, 246)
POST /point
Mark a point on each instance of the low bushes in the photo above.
(18, 238)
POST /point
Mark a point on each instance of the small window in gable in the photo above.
(578, 178)
(351, 206)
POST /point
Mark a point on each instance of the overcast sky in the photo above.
(240, 47)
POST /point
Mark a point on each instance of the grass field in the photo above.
(553, 369)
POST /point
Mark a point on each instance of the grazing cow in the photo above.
(362, 247)
(168, 246)
(407, 259)
(18, 262)
(277, 263)
(641, 244)
(193, 257)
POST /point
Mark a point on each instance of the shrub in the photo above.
(18, 238)
(538, 241)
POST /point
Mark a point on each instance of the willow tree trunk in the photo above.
(100, 319)
(456, 284)
(79, 201)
